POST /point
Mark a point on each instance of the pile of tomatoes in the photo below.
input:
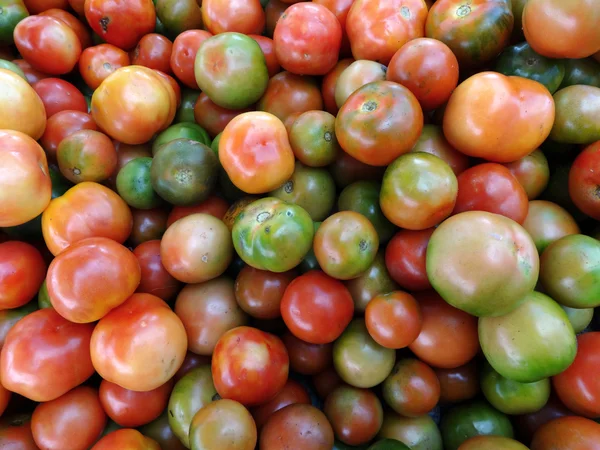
(299, 225)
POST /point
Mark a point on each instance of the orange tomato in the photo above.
(25, 185)
(86, 210)
(498, 118)
(98, 62)
(241, 16)
(213, 205)
(126, 438)
(21, 109)
(567, 433)
(255, 152)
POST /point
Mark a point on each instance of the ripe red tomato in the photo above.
(153, 51)
(61, 125)
(458, 384)
(59, 95)
(259, 292)
(98, 62)
(22, 272)
(212, 117)
(307, 358)
(240, 16)
(584, 180)
(340, 8)
(155, 279)
(183, 55)
(293, 392)
(38, 6)
(44, 356)
(82, 31)
(405, 259)
(393, 319)
(249, 366)
(126, 438)
(32, 75)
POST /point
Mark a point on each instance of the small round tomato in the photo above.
(532, 172)
(48, 44)
(78, 411)
(313, 140)
(59, 95)
(212, 117)
(458, 384)
(155, 279)
(85, 210)
(547, 222)
(128, 352)
(98, 62)
(379, 122)
(183, 55)
(134, 185)
(329, 83)
(25, 184)
(21, 108)
(307, 358)
(316, 308)
(515, 113)
(293, 392)
(577, 120)
(61, 125)
(241, 16)
(567, 433)
(414, 431)
(126, 438)
(86, 155)
(148, 224)
(405, 259)
(393, 319)
(583, 180)
(355, 76)
(259, 292)
(22, 272)
(38, 348)
(153, 51)
(268, 48)
(249, 366)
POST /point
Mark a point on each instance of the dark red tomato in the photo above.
(288, 93)
(340, 8)
(121, 24)
(428, 68)
(38, 6)
(191, 361)
(5, 396)
(241, 16)
(326, 381)
(306, 358)
(292, 392)
(59, 95)
(584, 179)
(307, 39)
(330, 82)
(393, 319)
(98, 62)
(212, 117)
(22, 272)
(81, 30)
(268, 48)
(259, 292)
(44, 356)
(493, 188)
(183, 55)
(148, 225)
(249, 366)
(48, 44)
(347, 170)
(316, 307)
(213, 205)
(155, 278)
(432, 141)
(527, 424)
(78, 6)
(567, 433)
(131, 409)
(126, 438)
(15, 433)
(273, 12)
(405, 259)
(153, 51)
(61, 125)
(458, 384)
(448, 337)
(74, 421)
(31, 74)
(578, 387)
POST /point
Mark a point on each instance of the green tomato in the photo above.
(178, 16)
(581, 71)
(11, 13)
(182, 130)
(215, 144)
(43, 298)
(579, 318)
(185, 112)
(135, 186)
(274, 235)
(388, 444)
(577, 119)
(532, 342)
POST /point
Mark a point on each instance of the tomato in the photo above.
(416, 432)
(326, 381)
(242, 16)
(22, 109)
(491, 443)
(528, 424)
(185, 48)
(316, 308)
(405, 259)
(432, 141)
(86, 210)
(330, 80)
(293, 392)
(13, 13)
(148, 225)
(268, 48)
(213, 117)
(362, 131)
(44, 356)
(249, 366)
(153, 51)
(375, 281)
(8, 318)
(388, 444)
(567, 433)
(520, 105)
(288, 93)
(231, 69)
(312, 138)
(98, 62)
(32, 75)
(50, 45)
(178, 16)
(577, 115)
(22, 271)
(573, 24)
(274, 9)
(393, 319)
(182, 130)
(149, 360)
(161, 432)
(355, 414)
(236, 208)
(134, 185)
(358, 359)
(532, 172)
(15, 432)
(126, 438)
(547, 222)
(297, 426)
(59, 95)
(307, 358)
(581, 71)
(583, 183)
(81, 30)
(476, 418)
(458, 384)
(376, 30)
(522, 61)
(537, 340)
(25, 183)
(155, 279)
(57, 424)
(259, 292)
(355, 76)
(38, 6)
(213, 205)
(118, 103)
(61, 125)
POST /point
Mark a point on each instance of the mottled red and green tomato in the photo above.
(231, 69)
(502, 263)
(259, 292)
(355, 76)
(530, 343)
(418, 191)
(547, 222)
(577, 115)
(293, 392)
(86, 155)
(419, 433)
(581, 71)
(532, 172)
(313, 140)
(393, 319)
(179, 16)
(584, 182)
(213, 117)
(379, 122)
(161, 432)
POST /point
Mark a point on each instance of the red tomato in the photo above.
(405, 259)
(432, 141)
(584, 180)
(173, 83)
(31, 74)
(340, 8)
(317, 308)
(394, 319)
(307, 39)
(61, 125)
(493, 188)
(153, 51)
(148, 225)
(458, 384)
(131, 409)
(139, 345)
(259, 292)
(191, 361)
(293, 392)
(81, 30)
(273, 12)
(212, 117)
(121, 23)
(74, 420)
(90, 278)
(48, 44)
(213, 205)
(38, 6)
(15, 433)
(98, 62)
(22, 272)
(268, 48)
(126, 438)
(306, 358)
(155, 279)
(249, 366)
(329, 84)
(567, 433)
(44, 356)
(326, 381)
(240, 16)
(59, 95)
(183, 55)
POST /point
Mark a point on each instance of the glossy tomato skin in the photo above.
(213, 117)
(414, 431)
(249, 365)
(292, 392)
(240, 16)
(183, 55)
(376, 30)
(307, 358)
(40, 346)
(22, 109)
(405, 258)
(259, 292)
(86, 155)
(316, 308)
(357, 74)
(213, 205)
(155, 279)
(98, 62)
(577, 115)
(15, 11)
(15, 432)
(375, 281)
(126, 438)
(393, 319)
(57, 424)
(9, 317)
(178, 16)
(159, 349)
(564, 432)
(153, 51)
(161, 432)
(21, 273)
(458, 384)
(547, 222)
(583, 180)
(532, 172)
(59, 95)
(329, 84)
(362, 116)
(148, 224)
(61, 125)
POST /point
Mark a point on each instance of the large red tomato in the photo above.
(584, 179)
(22, 271)
(183, 55)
